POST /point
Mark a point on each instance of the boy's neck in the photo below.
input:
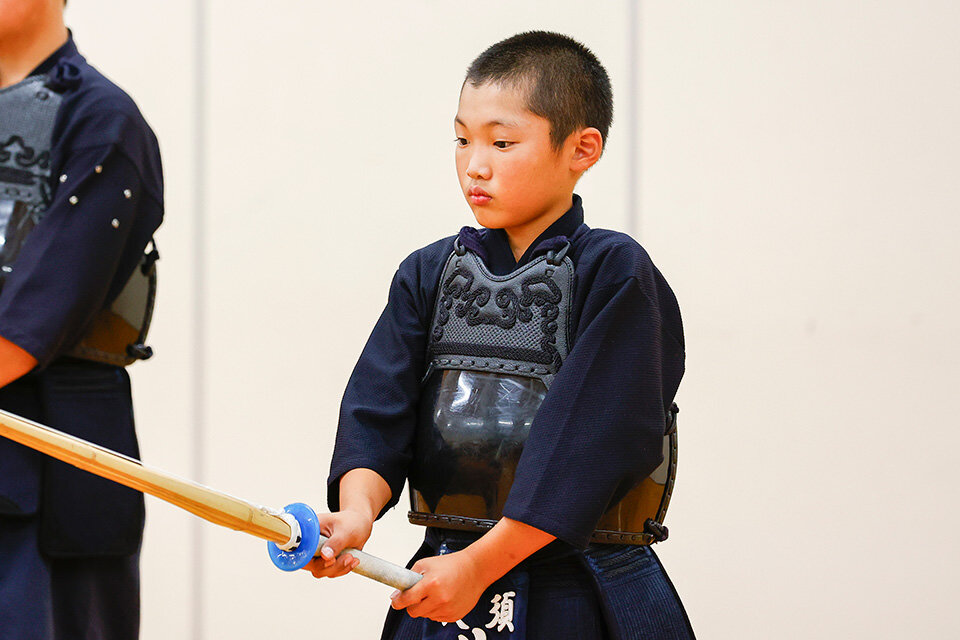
(522, 236)
(22, 52)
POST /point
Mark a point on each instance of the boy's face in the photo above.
(19, 17)
(510, 173)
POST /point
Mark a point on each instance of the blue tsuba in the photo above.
(301, 556)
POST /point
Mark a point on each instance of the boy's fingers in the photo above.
(340, 567)
(346, 562)
(413, 595)
(340, 570)
(404, 599)
(421, 609)
(318, 570)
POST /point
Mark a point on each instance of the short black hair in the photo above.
(566, 84)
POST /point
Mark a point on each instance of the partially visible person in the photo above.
(81, 194)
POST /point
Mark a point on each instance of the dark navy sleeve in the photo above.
(106, 190)
(379, 409)
(600, 428)
(80, 253)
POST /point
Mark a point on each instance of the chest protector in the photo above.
(28, 111)
(496, 344)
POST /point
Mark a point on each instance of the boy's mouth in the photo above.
(478, 196)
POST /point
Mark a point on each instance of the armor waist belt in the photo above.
(496, 344)
(29, 110)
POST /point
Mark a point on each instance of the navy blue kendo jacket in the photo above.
(600, 427)
(105, 165)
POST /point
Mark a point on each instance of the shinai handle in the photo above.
(380, 570)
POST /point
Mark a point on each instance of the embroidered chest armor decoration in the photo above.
(28, 112)
(496, 344)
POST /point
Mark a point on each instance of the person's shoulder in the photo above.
(613, 261)
(432, 253)
(418, 275)
(97, 92)
(427, 262)
(97, 120)
(615, 255)
(95, 110)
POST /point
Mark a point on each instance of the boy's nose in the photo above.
(478, 169)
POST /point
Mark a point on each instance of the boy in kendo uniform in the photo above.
(522, 377)
(80, 198)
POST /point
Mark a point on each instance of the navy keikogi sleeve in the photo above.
(379, 409)
(78, 258)
(107, 201)
(600, 428)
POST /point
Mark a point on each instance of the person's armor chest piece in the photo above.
(496, 344)
(28, 111)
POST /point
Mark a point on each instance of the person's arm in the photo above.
(453, 583)
(599, 431)
(378, 413)
(80, 253)
(14, 362)
(379, 409)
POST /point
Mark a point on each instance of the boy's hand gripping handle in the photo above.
(306, 541)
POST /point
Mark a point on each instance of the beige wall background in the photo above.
(791, 167)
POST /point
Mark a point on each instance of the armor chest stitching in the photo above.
(515, 324)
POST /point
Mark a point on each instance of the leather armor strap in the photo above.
(459, 523)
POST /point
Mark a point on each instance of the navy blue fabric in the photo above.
(80, 514)
(20, 468)
(69, 542)
(600, 428)
(26, 602)
(638, 598)
(472, 240)
(606, 592)
(73, 599)
(96, 598)
(75, 262)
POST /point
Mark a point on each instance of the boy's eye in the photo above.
(502, 144)
(461, 142)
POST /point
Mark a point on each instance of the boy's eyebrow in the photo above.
(490, 123)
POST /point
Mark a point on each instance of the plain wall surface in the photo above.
(791, 168)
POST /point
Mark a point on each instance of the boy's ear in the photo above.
(588, 148)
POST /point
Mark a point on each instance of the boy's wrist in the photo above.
(504, 547)
(482, 564)
(363, 492)
(364, 511)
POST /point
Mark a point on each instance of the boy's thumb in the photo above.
(331, 548)
(333, 545)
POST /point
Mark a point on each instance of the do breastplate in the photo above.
(496, 344)
(28, 112)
